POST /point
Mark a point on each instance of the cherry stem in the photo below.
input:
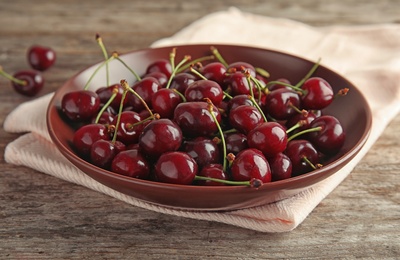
(97, 70)
(262, 72)
(285, 84)
(314, 166)
(258, 107)
(309, 74)
(211, 110)
(254, 183)
(129, 68)
(12, 78)
(126, 87)
(197, 73)
(185, 59)
(111, 99)
(198, 60)
(180, 94)
(155, 116)
(172, 55)
(218, 55)
(309, 130)
(121, 106)
(103, 49)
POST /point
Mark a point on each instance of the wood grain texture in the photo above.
(42, 217)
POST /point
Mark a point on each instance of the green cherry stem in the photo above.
(185, 59)
(10, 77)
(309, 74)
(262, 72)
(181, 95)
(252, 183)
(121, 106)
(198, 60)
(111, 99)
(172, 55)
(309, 130)
(103, 49)
(218, 55)
(138, 78)
(126, 87)
(97, 70)
(221, 133)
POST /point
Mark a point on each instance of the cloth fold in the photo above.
(369, 56)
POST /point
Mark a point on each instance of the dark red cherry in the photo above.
(80, 105)
(160, 136)
(245, 118)
(181, 82)
(298, 151)
(129, 129)
(164, 102)
(145, 89)
(175, 168)
(269, 137)
(41, 57)
(235, 143)
(195, 119)
(105, 94)
(250, 164)
(331, 137)
(318, 94)
(305, 118)
(33, 82)
(103, 152)
(214, 171)
(242, 66)
(159, 76)
(281, 167)
(203, 150)
(86, 135)
(214, 71)
(202, 89)
(162, 66)
(131, 163)
(282, 103)
(239, 100)
(238, 84)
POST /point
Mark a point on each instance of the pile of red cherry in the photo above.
(29, 82)
(205, 122)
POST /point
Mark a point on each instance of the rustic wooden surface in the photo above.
(42, 217)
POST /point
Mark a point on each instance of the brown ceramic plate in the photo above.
(352, 110)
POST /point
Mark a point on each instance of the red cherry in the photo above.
(235, 143)
(195, 119)
(162, 66)
(159, 76)
(164, 102)
(181, 82)
(86, 135)
(214, 171)
(127, 131)
(103, 152)
(202, 89)
(298, 151)
(281, 167)
(33, 82)
(105, 94)
(239, 100)
(214, 71)
(242, 66)
(251, 164)
(318, 94)
(245, 118)
(203, 150)
(131, 163)
(269, 137)
(40, 57)
(176, 168)
(145, 89)
(80, 105)
(238, 83)
(282, 103)
(160, 136)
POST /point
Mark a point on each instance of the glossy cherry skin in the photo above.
(105, 94)
(195, 119)
(176, 168)
(41, 57)
(145, 89)
(296, 150)
(164, 102)
(86, 135)
(214, 71)
(160, 136)
(131, 163)
(128, 130)
(282, 103)
(235, 143)
(245, 118)
(202, 89)
(318, 94)
(304, 118)
(103, 152)
(181, 82)
(281, 167)
(212, 171)
(239, 100)
(242, 66)
(251, 164)
(80, 105)
(34, 82)
(238, 84)
(161, 65)
(203, 150)
(159, 76)
(269, 137)
(332, 136)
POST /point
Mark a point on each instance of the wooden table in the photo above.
(42, 217)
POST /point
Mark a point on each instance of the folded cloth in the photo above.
(369, 56)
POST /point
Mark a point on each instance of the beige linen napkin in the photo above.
(369, 56)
